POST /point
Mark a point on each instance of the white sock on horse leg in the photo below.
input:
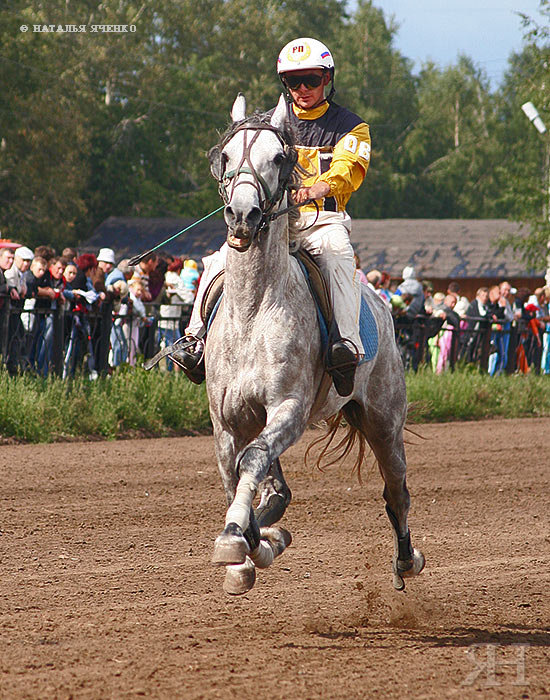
(239, 511)
(263, 555)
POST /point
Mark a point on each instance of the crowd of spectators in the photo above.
(150, 303)
(449, 320)
(34, 284)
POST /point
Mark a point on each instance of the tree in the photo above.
(375, 81)
(526, 174)
(450, 147)
(43, 145)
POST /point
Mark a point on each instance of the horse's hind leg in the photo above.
(407, 561)
(385, 438)
(275, 496)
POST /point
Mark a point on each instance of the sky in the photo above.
(439, 30)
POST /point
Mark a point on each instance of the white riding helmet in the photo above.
(304, 53)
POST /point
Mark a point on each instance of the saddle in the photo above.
(316, 282)
(337, 366)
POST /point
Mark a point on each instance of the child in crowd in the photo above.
(133, 314)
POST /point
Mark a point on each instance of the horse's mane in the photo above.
(289, 137)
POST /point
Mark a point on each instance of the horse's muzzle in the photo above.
(240, 238)
(242, 226)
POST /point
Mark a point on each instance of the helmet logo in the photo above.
(298, 52)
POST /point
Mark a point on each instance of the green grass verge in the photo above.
(133, 403)
(466, 394)
(129, 403)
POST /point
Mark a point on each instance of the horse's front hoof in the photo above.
(278, 538)
(230, 547)
(240, 578)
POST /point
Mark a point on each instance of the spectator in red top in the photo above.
(49, 297)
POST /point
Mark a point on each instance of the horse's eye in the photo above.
(278, 159)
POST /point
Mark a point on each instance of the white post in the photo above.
(547, 169)
(533, 115)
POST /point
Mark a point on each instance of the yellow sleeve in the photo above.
(350, 162)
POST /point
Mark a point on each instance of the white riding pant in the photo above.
(328, 241)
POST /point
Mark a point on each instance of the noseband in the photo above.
(227, 179)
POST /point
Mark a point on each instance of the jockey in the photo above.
(334, 149)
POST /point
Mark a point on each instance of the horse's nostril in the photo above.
(254, 216)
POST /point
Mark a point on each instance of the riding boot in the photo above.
(342, 363)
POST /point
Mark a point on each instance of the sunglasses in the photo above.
(309, 81)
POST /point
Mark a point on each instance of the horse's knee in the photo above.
(253, 459)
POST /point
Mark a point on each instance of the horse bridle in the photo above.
(269, 201)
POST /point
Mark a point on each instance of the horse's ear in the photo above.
(217, 165)
(238, 111)
(279, 115)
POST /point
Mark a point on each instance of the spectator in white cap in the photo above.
(105, 265)
(106, 260)
(412, 286)
(16, 274)
(15, 277)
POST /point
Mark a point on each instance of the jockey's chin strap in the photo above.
(269, 201)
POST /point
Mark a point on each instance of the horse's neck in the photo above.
(259, 276)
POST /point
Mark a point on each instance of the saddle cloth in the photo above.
(318, 287)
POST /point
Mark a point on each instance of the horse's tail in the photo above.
(353, 415)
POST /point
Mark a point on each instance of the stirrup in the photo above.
(182, 343)
(191, 361)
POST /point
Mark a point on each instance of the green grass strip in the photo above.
(135, 403)
(467, 394)
(129, 403)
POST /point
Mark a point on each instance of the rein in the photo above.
(137, 258)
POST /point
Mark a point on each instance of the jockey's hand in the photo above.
(317, 191)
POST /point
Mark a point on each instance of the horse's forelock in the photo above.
(258, 120)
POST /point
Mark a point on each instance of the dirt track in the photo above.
(107, 590)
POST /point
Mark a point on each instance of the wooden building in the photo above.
(444, 250)
(441, 250)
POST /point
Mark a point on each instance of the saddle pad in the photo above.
(368, 330)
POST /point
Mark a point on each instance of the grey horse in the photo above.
(265, 374)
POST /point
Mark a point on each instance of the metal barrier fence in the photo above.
(499, 347)
(65, 342)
